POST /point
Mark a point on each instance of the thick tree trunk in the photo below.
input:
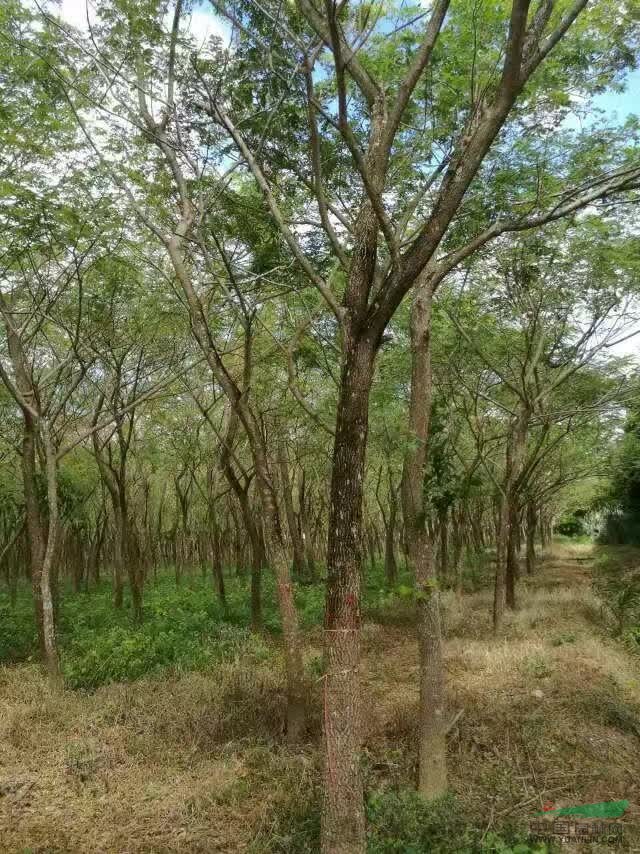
(343, 826)
(432, 780)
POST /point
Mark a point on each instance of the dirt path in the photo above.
(551, 708)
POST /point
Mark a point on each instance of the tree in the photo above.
(366, 137)
(423, 141)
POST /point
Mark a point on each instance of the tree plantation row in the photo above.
(337, 291)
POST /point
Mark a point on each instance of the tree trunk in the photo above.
(292, 523)
(118, 556)
(128, 559)
(35, 527)
(432, 780)
(458, 544)
(512, 558)
(390, 562)
(305, 530)
(432, 774)
(258, 559)
(504, 593)
(532, 523)
(216, 559)
(371, 545)
(52, 659)
(500, 586)
(443, 526)
(343, 825)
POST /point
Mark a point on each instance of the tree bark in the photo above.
(458, 545)
(343, 827)
(512, 555)
(500, 586)
(390, 562)
(216, 558)
(305, 530)
(443, 526)
(532, 524)
(37, 536)
(292, 523)
(504, 591)
(35, 526)
(432, 780)
(52, 659)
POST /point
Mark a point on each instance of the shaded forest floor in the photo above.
(194, 762)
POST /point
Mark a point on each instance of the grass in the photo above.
(191, 759)
(184, 629)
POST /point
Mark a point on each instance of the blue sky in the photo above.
(204, 23)
(623, 103)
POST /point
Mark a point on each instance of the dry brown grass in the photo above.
(196, 764)
(155, 766)
(551, 706)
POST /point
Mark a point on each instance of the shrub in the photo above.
(119, 654)
(18, 638)
(403, 821)
(183, 629)
(573, 524)
(618, 586)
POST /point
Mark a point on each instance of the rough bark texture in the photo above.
(343, 829)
